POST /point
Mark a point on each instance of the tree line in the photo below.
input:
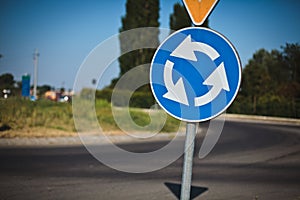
(271, 83)
(270, 80)
(8, 82)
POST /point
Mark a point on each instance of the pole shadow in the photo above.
(176, 190)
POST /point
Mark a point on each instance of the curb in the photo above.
(262, 119)
(76, 140)
(98, 140)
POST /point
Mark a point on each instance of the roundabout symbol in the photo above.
(195, 74)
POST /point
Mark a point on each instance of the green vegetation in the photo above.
(139, 13)
(8, 82)
(17, 113)
(139, 99)
(271, 84)
(21, 114)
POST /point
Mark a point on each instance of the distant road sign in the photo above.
(199, 9)
(195, 74)
(25, 85)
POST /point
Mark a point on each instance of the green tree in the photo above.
(291, 55)
(270, 83)
(256, 79)
(7, 82)
(291, 87)
(139, 13)
(277, 69)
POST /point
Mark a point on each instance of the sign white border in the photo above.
(238, 85)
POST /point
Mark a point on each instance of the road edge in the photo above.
(262, 119)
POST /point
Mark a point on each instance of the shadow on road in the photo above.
(176, 190)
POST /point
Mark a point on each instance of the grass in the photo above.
(21, 113)
(44, 118)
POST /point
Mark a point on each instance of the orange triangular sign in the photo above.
(199, 9)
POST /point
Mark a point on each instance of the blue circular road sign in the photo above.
(195, 74)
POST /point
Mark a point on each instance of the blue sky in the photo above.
(65, 31)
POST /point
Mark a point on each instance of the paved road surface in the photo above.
(250, 161)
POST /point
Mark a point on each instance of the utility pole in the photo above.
(35, 60)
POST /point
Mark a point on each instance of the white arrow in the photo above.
(176, 92)
(186, 50)
(218, 80)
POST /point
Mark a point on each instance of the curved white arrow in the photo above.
(218, 80)
(176, 92)
(186, 50)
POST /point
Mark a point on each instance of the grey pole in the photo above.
(35, 58)
(191, 129)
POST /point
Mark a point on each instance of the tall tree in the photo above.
(291, 88)
(256, 79)
(139, 13)
(291, 55)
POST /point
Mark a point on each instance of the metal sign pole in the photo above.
(191, 129)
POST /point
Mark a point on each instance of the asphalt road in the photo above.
(250, 161)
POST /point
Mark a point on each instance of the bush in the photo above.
(142, 100)
(267, 105)
(139, 99)
(19, 113)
